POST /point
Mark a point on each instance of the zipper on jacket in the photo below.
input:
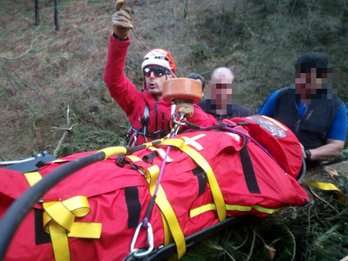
(156, 111)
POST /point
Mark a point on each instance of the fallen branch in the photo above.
(65, 129)
(25, 52)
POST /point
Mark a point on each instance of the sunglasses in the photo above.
(157, 71)
(320, 72)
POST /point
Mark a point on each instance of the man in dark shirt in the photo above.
(220, 104)
(310, 109)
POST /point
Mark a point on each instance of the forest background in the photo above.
(47, 76)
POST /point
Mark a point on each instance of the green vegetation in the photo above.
(43, 72)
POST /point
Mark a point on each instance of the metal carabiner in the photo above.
(179, 121)
(150, 239)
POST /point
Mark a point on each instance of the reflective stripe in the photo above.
(202, 162)
(266, 210)
(208, 207)
(282, 126)
(200, 210)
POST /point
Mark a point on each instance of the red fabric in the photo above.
(133, 102)
(104, 184)
(278, 139)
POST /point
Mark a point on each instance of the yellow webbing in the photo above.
(58, 220)
(167, 210)
(328, 187)
(161, 153)
(166, 234)
(208, 207)
(201, 161)
(33, 177)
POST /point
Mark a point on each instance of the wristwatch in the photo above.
(308, 154)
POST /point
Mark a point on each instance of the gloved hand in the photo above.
(122, 20)
(185, 107)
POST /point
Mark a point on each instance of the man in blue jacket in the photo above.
(310, 109)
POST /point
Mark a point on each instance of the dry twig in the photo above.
(65, 129)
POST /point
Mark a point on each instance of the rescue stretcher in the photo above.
(143, 202)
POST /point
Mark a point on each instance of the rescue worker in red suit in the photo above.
(148, 114)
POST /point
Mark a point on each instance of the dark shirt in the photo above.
(337, 130)
(233, 110)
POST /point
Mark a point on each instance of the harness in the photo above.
(133, 133)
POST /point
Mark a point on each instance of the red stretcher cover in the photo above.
(251, 176)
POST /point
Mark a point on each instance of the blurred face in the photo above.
(155, 76)
(307, 83)
(221, 94)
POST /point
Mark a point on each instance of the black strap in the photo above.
(121, 161)
(248, 169)
(133, 206)
(41, 237)
(202, 179)
(148, 158)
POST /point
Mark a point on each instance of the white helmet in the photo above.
(161, 58)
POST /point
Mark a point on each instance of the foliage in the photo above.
(317, 231)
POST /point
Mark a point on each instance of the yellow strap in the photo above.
(133, 158)
(166, 233)
(201, 161)
(58, 220)
(55, 210)
(161, 153)
(167, 210)
(85, 230)
(33, 177)
(328, 187)
(208, 207)
(60, 243)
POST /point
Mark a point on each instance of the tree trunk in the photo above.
(37, 13)
(56, 22)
